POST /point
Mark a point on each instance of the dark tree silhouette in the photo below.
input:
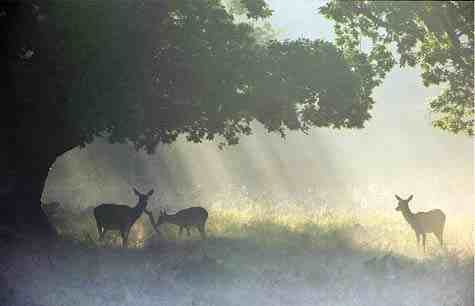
(146, 72)
(437, 35)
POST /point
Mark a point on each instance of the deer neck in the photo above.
(408, 215)
(139, 208)
(172, 219)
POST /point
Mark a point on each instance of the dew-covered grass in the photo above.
(257, 253)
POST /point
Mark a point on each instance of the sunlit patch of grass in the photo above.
(326, 228)
(266, 252)
(295, 228)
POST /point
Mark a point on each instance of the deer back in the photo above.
(189, 216)
(114, 216)
(430, 221)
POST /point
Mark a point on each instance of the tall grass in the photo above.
(290, 224)
(261, 253)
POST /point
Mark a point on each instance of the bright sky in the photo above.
(398, 152)
(399, 139)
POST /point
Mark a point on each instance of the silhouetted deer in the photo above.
(431, 221)
(120, 217)
(186, 218)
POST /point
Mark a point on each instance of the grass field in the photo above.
(256, 254)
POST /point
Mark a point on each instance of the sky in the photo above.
(398, 152)
(399, 141)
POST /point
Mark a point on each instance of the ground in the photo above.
(255, 255)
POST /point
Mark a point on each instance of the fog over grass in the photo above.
(305, 220)
(257, 254)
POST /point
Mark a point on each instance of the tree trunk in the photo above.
(21, 187)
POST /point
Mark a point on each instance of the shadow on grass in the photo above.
(261, 254)
(309, 252)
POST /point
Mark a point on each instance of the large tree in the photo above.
(436, 35)
(146, 72)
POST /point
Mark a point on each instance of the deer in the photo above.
(185, 218)
(432, 221)
(110, 216)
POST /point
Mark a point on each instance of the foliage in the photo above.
(147, 72)
(263, 31)
(254, 9)
(437, 35)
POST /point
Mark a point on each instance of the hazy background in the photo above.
(398, 152)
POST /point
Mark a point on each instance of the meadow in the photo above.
(257, 253)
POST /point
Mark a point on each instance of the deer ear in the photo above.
(410, 198)
(150, 192)
(397, 197)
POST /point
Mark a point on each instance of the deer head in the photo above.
(143, 198)
(163, 217)
(403, 204)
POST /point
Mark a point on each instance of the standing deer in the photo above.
(431, 221)
(186, 218)
(120, 217)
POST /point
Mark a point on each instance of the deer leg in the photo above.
(102, 234)
(188, 231)
(201, 228)
(125, 236)
(440, 237)
(181, 231)
(126, 239)
(418, 237)
(99, 229)
(124, 232)
(424, 242)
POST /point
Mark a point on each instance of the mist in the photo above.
(398, 152)
(305, 219)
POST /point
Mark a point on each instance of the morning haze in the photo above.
(349, 212)
(397, 151)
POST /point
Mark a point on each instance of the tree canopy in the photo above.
(146, 72)
(150, 71)
(436, 35)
